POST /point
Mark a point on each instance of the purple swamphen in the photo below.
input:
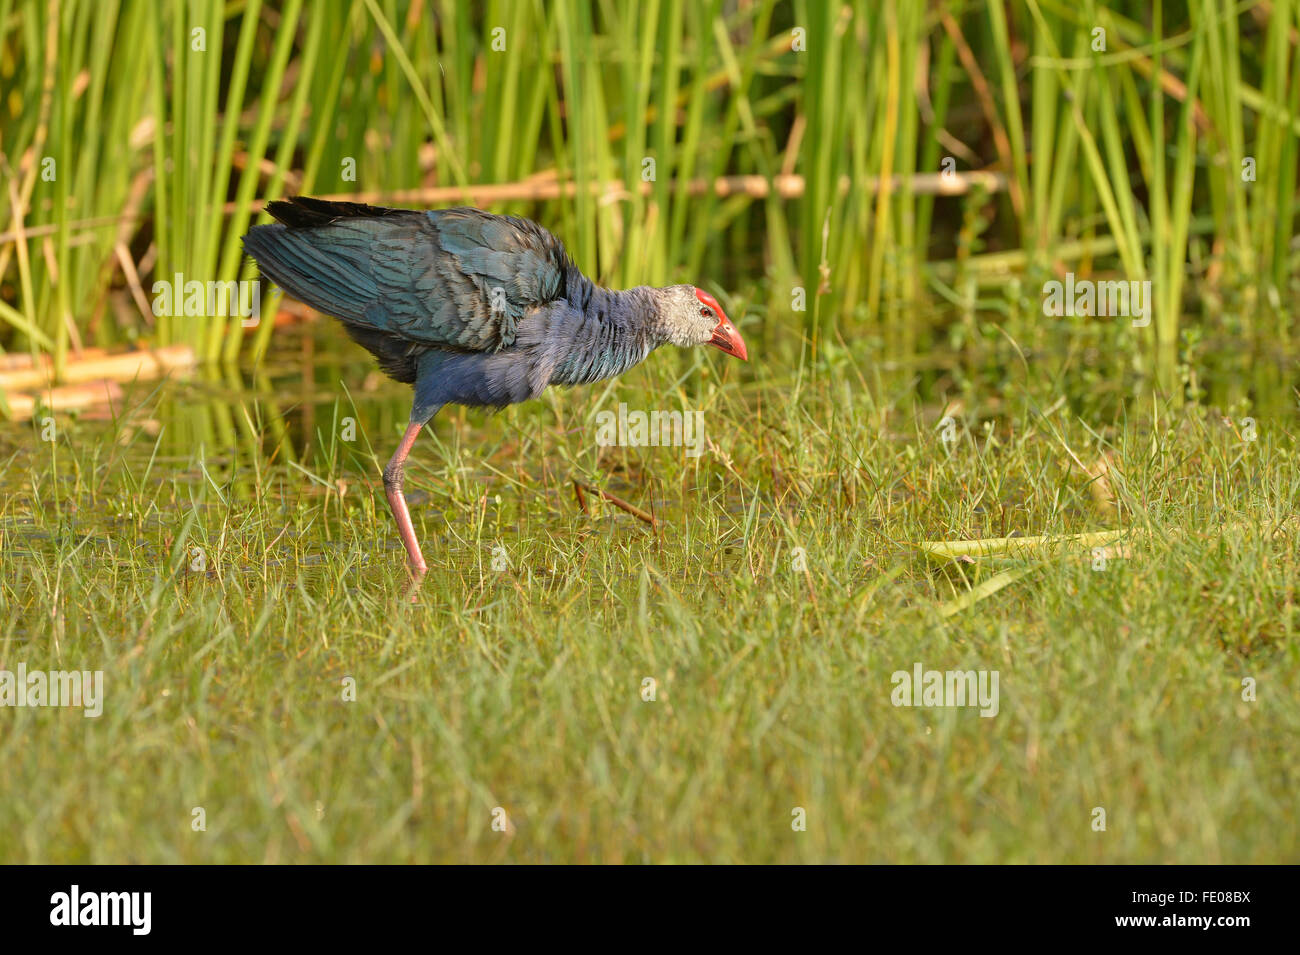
(469, 308)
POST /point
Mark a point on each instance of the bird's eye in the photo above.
(706, 313)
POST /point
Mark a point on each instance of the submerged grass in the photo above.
(782, 591)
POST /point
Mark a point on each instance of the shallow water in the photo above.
(317, 421)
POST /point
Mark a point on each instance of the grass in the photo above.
(1120, 688)
(919, 466)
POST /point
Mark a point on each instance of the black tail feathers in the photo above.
(304, 212)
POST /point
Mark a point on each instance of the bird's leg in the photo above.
(393, 475)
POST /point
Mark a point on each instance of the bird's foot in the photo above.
(417, 579)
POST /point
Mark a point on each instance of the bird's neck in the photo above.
(605, 332)
(634, 312)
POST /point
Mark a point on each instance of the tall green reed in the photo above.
(166, 123)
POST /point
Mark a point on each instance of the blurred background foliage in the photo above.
(882, 177)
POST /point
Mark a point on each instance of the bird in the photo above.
(469, 308)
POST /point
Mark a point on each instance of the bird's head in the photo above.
(691, 316)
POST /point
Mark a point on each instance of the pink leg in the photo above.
(393, 475)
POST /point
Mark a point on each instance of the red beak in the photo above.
(725, 337)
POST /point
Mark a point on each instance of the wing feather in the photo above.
(457, 279)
